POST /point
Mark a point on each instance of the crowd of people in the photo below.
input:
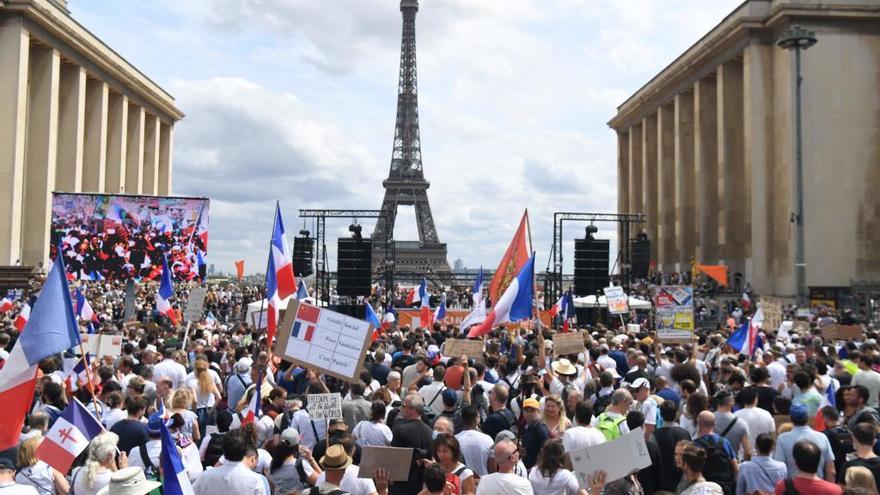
(800, 416)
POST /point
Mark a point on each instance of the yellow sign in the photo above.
(683, 321)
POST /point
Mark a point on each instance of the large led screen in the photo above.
(111, 237)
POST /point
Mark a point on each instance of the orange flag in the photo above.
(717, 272)
(518, 252)
(239, 268)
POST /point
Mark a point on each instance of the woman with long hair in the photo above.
(205, 386)
(100, 464)
(447, 451)
(554, 416)
(181, 401)
(373, 431)
(696, 403)
(36, 473)
(549, 476)
(293, 469)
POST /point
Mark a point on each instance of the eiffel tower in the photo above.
(406, 184)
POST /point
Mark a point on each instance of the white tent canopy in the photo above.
(591, 302)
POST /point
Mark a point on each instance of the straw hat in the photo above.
(129, 481)
(335, 458)
(564, 367)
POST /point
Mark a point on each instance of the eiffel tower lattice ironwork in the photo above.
(406, 184)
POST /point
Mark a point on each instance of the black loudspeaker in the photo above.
(303, 253)
(590, 266)
(354, 310)
(640, 256)
(354, 267)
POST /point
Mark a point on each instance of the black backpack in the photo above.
(601, 404)
(214, 450)
(717, 467)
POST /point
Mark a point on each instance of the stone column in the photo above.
(166, 147)
(622, 179)
(732, 216)
(649, 179)
(666, 239)
(95, 146)
(151, 155)
(134, 156)
(635, 173)
(14, 55)
(706, 168)
(42, 152)
(685, 222)
(117, 143)
(758, 127)
(71, 128)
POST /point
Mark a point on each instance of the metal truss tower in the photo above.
(406, 184)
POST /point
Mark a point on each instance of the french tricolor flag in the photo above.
(564, 307)
(6, 304)
(747, 338)
(514, 305)
(253, 410)
(425, 313)
(22, 318)
(478, 314)
(165, 293)
(440, 312)
(280, 282)
(69, 436)
(302, 292)
(413, 296)
(175, 481)
(388, 318)
(371, 316)
(84, 311)
(305, 323)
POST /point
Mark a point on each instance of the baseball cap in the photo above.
(533, 403)
(798, 412)
(290, 437)
(7, 464)
(505, 435)
(640, 382)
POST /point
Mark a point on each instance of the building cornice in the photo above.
(60, 24)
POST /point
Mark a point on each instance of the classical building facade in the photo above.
(75, 117)
(706, 148)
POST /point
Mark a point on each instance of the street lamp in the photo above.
(797, 38)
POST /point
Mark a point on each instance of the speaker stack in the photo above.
(590, 265)
(303, 254)
(354, 267)
(640, 255)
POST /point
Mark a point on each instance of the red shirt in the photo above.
(810, 487)
(454, 377)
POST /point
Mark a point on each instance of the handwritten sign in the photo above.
(195, 305)
(315, 337)
(325, 406)
(772, 309)
(395, 459)
(618, 302)
(568, 343)
(843, 332)
(617, 458)
(458, 347)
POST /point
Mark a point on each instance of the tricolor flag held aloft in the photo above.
(440, 312)
(51, 328)
(165, 293)
(828, 399)
(747, 338)
(280, 282)
(371, 316)
(174, 478)
(302, 291)
(7, 303)
(425, 313)
(69, 436)
(388, 318)
(514, 305)
(252, 413)
(478, 314)
(22, 318)
(84, 311)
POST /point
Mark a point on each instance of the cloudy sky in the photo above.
(295, 100)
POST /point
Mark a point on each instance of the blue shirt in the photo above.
(235, 387)
(716, 438)
(670, 394)
(760, 474)
(785, 446)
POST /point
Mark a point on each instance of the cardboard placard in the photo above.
(843, 332)
(801, 326)
(325, 406)
(618, 302)
(617, 458)
(395, 459)
(772, 309)
(674, 313)
(101, 345)
(458, 347)
(195, 305)
(331, 342)
(568, 343)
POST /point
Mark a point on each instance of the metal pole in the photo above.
(800, 262)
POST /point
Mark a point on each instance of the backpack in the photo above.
(454, 478)
(610, 426)
(717, 467)
(214, 450)
(601, 404)
(301, 471)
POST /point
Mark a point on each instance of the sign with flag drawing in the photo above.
(618, 303)
(68, 437)
(334, 343)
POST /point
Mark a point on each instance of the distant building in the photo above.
(458, 265)
(74, 117)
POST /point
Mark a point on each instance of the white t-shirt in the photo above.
(759, 421)
(80, 485)
(649, 409)
(351, 483)
(370, 433)
(563, 482)
(204, 399)
(504, 484)
(476, 447)
(580, 437)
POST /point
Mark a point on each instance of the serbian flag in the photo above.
(371, 316)
(22, 318)
(828, 399)
(253, 409)
(514, 305)
(302, 291)
(425, 313)
(6, 304)
(440, 312)
(746, 338)
(69, 436)
(175, 481)
(478, 314)
(51, 329)
(517, 254)
(388, 318)
(285, 282)
(165, 293)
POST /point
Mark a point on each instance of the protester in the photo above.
(864, 438)
(761, 473)
(549, 476)
(786, 443)
(36, 473)
(808, 460)
(232, 476)
(505, 481)
(99, 466)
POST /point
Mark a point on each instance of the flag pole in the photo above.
(88, 368)
(266, 279)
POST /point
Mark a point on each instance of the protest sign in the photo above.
(801, 326)
(325, 406)
(315, 337)
(674, 313)
(101, 345)
(395, 459)
(458, 347)
(772, 309)
(195, 305)
(568, 343)
(618, 302)
(617, 458)
(843, 332)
